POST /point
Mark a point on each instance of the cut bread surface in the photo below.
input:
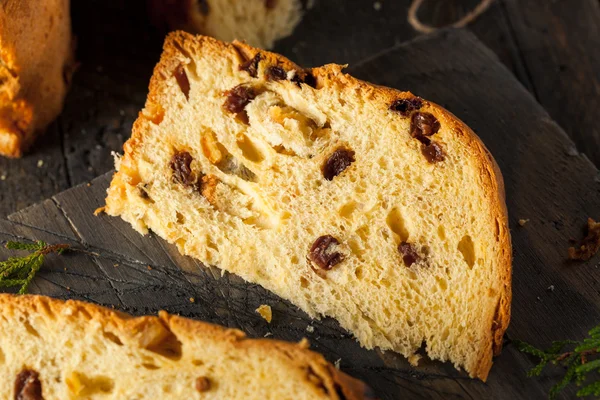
(258, 22)
(36, 64)
(51, 349)
(358, 202)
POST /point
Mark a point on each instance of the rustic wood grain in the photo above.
(556, 191)
(560, 42)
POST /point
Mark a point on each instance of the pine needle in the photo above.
(20, 271)
(582, 363)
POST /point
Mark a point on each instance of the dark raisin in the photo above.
(306, 78)
(433, 152)
(337, 162)
(182, 171)
(251, 66)
(238, 98)
(270, 4)
(203, 7)
(182, 80)
(409, 253)
(323, 253)
(28, 386)
(275, 73)
(406, 106)
(202, 384)
(423, 124)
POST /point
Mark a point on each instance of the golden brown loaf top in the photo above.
(52, 349)
(36, 63)
(362, 203)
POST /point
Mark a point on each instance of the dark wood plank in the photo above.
(36, 176)
(559, 41)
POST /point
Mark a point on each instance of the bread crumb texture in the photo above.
(358, 202)
(36, 64)
(50, 349)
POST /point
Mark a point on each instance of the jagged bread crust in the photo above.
(84, 351)
(258, 22)
(36, 63)
(455, 299)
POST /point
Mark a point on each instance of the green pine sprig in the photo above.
(19, 271)
(581, 363)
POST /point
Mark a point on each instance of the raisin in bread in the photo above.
(354, 201)
(76, 350)
(36, 63)
(258, 22)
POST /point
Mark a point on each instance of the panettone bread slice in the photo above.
(36, 63)
(354, 201)
(51, 349)
(258, 22)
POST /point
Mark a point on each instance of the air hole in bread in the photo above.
(197, 362)
(358, 272)
(182, 80)
(2, 356)
(150, 366)
(154, 113)
(442, 283)
(467, 249)
(250, 150)
(219, 156)
(396, 222)
(441, 231)
(347, 209)
(163, 342)
(30, 329)
(180, 218)
(83, 386)
(112, 337)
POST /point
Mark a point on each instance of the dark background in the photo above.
(550, 45)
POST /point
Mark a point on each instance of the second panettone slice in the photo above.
(358, 202)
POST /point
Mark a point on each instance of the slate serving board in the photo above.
(547, 182)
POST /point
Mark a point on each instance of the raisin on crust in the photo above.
(362, 203)
(35, 69)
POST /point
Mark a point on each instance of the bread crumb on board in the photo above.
(99, 211)
(337, 363)
(414, 360)
(522, 222)
(589, 245)
(310, 329)
(265, 312)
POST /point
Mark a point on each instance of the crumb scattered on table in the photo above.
(310, 329)
(268, 334)
(414, 360)
(337, 363)
(265, 312)
(377, 5)
(589, 245)
(192, 300)
(522, 221)
(550, 288)
(99, 210)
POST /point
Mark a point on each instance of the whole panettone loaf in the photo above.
(56, 350)
(36, 63)
(354, 201)
(258, 22)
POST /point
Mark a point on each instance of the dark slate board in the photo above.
(545, 183)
